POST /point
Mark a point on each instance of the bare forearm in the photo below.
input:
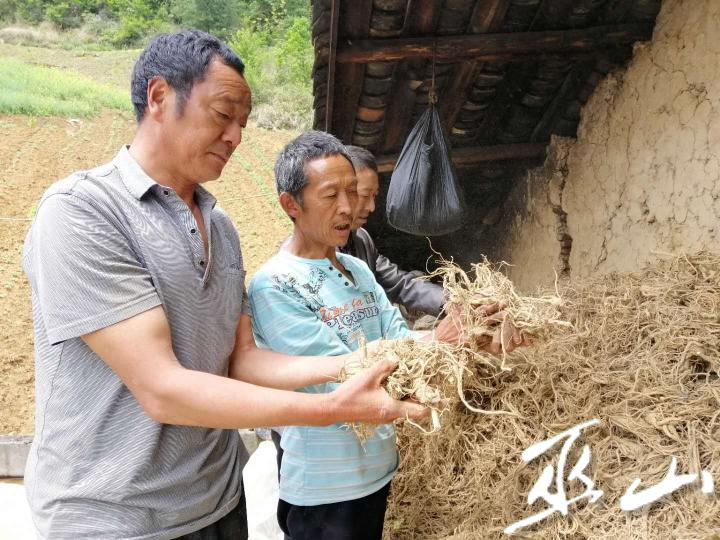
(201, 399)
(172, 394)
(268, 368)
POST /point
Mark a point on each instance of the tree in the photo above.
(295, 54)
(217, 17)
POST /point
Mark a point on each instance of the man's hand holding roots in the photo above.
(495, 333)
(486, 323)
(411, 378)
(363, 395)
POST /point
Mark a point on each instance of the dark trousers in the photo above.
(359, 519)
(233, 526)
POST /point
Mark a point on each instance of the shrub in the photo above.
(8, 9)
(31, 11)
(278, 68)
(295, 53)
(252, 47)
(98, 28)
(65, 14)
(218, 17)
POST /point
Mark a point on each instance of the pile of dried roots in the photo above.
(433, 372)
(643, 358)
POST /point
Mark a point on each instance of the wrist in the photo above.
(336, 365)
(332, 408)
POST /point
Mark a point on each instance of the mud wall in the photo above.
(643, 175)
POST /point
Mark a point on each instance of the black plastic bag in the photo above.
(424, 197)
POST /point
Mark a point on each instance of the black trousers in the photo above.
(359, 519)
(233, 526)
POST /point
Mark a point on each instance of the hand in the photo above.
(362, 399)
(506, 337)
(452, 329)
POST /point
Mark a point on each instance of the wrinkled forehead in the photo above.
(223, 82)
(335, 170)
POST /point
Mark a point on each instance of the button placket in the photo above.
(189, 225)
(206, 212)
(186, 223)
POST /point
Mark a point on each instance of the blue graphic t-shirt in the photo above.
(307, 307)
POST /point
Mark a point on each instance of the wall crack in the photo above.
(557, 164)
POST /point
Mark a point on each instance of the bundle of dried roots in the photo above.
(643, 359)
(432, 372)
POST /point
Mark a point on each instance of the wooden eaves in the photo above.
(348, 55)
(491, 47)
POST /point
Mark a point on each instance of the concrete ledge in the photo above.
(14, 451)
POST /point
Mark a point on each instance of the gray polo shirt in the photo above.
(105, 245)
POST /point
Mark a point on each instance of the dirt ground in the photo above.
(37, 151)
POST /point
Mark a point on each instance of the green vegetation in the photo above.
(271, 36)
(37, 90)
(128, 23)
(278, 56)
(111, 68)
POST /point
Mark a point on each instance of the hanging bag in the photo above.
(424, 197)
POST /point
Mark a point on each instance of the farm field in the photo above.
(108, 67)
(36, 151)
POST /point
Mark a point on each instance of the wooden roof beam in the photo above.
(348, 78)
(487, 16)
(493, 47)
(421, 20)
(473, 155)
(332, 59)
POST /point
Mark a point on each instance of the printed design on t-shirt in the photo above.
(317, 278)
(346, 318)
(306, 293)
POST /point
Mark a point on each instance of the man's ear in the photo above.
(160, 98)
(290, 205)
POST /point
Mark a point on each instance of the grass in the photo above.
(47, 35)
(45, 91)
(107, 67)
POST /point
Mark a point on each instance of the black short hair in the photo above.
(290, 165)
(362, 159)
(182, 59)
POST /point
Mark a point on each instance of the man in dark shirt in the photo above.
(402, 287)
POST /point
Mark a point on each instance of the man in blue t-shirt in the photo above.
(311, 300)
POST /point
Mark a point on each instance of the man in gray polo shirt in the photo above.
(145, 362)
